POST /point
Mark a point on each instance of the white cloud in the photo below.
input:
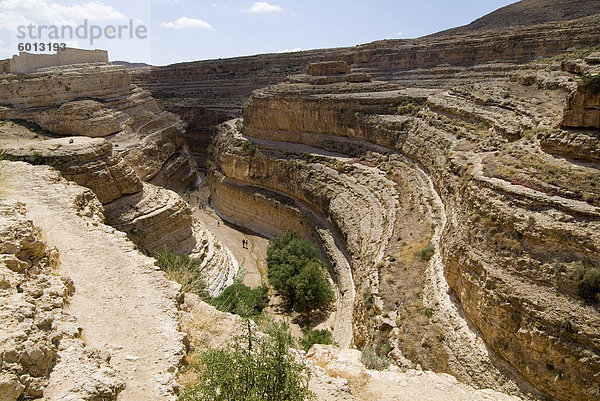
(185, 22)
(25, 12)
(263, 7)
(399, 33)
(295, 49)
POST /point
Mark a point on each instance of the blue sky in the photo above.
(188, 30)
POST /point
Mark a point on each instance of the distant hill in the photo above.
(529, 12)
(127, 64)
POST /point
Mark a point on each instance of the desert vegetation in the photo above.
(251, 367)
(184, 270)
(296, 271)
(242, 300)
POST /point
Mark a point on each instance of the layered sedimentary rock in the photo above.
(583, 109)
(81, 117)
(150, 139)
(206, 93)
(38, 337)
(512, 236)
(91, 163)
(154, 218)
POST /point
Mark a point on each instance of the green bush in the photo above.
(372, 360)
(249, 147)
(311, 337)
(408, 107)
(242, 300)
(297, 273)
(590, 285)
(427, 252)
(591, 83)
(251, 368)
(184, 270)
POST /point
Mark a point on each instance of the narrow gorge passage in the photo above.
(253, 259)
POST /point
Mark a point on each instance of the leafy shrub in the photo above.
(242, 300)
(36, 159)
(297, 273)
(249, 147)
(590, 285)
(184, 270)
(408, 107)
(591, 83)
(427, 252)
(428, 312)
(372, 360)
(251, 368)
(311, 337)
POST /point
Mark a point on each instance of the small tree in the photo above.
(312, 290)
(296, 271)
(251, 368)
(242, 300)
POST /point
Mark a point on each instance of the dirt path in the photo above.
(122, 303)
(252, 258)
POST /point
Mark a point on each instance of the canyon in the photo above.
(450, 183)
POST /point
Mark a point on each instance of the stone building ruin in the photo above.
(25, 63)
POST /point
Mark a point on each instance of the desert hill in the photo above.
(529, 12)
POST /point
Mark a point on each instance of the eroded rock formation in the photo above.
(206, 93)
(511, 234)
(146, 136)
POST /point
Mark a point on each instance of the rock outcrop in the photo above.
(155, 218)
(38, 337)
(583, 109)
(125, 309)
(394, 384)
(89, 162)
(148, 138)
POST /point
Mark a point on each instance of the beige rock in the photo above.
(122, 304)
(390, 385)
(327, 68)
(89, 162)
(81, 118)
(582, 110)
(155, 219)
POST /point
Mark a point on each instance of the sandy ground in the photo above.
(254, 258)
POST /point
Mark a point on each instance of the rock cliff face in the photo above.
(206, 93)
(89, 162)
(146, 136)
(462, 167)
